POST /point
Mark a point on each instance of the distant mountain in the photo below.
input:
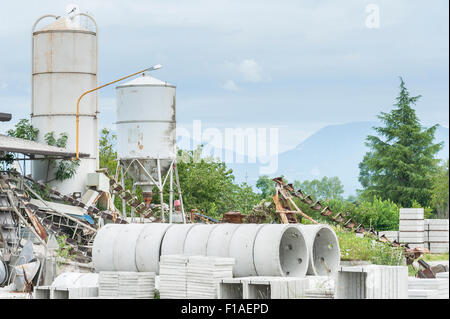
(334, 150)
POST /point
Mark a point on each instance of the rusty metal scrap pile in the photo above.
(287, 213)
(22, 206)
(17, 210)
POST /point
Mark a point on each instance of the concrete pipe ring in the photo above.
(175, 238)
(103, 249)
(219, 240)
(124, 253)
(241, 249)
(148, 247)
(281, 250)
(197, 240)
(324, 249)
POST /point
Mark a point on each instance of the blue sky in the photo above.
(295, 65)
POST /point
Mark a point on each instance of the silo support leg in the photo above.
(177, 181)
(124, 204)
(171, 194)
(160, 186)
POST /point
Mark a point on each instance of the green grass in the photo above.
(355, 248)
(435, 257)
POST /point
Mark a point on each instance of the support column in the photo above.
(160, 187)
(124, 204)
(171, 193)
(177, 180)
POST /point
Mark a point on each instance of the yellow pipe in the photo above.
(92, 90)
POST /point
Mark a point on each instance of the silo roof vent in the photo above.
(146, 80)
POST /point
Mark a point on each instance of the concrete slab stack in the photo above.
(431, 288)
(204, 274)
(442, 275)
(437, 235)
(124, 284)
(146, 285)
(423, 294)
(108, 284)
(173, 277)
(372, 282)
(412, 227)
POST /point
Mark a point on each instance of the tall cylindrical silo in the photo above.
(146, 128)
(64, 65)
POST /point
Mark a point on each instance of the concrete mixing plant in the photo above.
(64, 65)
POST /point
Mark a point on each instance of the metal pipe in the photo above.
(92, 90)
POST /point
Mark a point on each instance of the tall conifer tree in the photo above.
(401, 162)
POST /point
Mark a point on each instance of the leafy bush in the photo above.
(379, 214)
(209, 184)
(64, 250)
(24, 129)
(65, 169)
(365, 248)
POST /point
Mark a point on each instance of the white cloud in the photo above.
(251, 71)
(315, 171)
(230, 85)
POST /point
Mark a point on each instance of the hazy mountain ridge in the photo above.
(335, 150)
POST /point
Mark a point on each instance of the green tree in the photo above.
(266, 186)
(246, 198)
(206, 183)
(108, 159)
(323, 189)
(440, 191)
(401, 162)
(107, 152)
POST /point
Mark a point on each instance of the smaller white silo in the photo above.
(146, 129)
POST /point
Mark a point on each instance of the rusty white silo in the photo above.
(146, 128)
(64, 65)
